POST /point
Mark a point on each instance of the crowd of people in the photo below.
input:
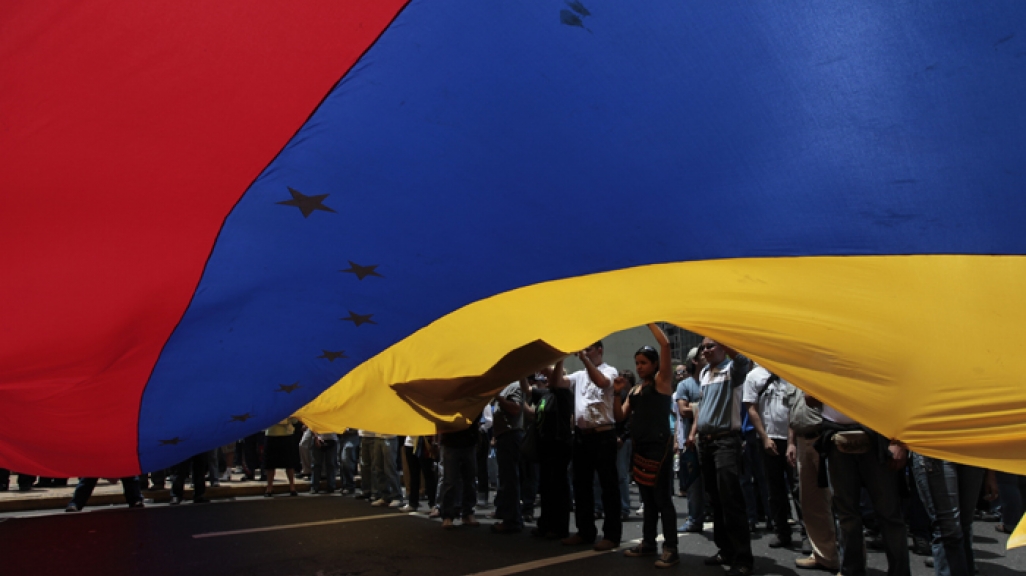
(741, 446)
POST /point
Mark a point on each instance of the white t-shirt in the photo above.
(593, 406)
(772, 406)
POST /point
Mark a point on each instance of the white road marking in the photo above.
(517, 568)
(301, 525)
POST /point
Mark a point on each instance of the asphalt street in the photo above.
(337, 536)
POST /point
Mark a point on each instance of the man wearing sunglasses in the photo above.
(720, 453)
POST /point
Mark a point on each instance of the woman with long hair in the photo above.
(651, 402)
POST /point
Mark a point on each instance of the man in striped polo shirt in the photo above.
(720, 453)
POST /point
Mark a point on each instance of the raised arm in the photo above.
(596, 375)
(621, 406)
(664, 377)
(558, 379)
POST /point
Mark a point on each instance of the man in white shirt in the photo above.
(594, 450)
(766, 397)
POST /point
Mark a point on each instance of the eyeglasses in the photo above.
(708, 346)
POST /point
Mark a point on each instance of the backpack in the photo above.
(803, 418)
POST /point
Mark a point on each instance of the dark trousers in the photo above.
(507, 499)
(528, 486)
(484, 446)
(459, 468)
(25, 481)
(554, 485)
(778, 480)
(419, 465)
(198, 466)
(658, 503)
(84, 489)
(753, 478)
(849, 473)
(596, 453)
(252, 455)
(720, 461)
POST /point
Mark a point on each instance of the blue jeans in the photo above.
(325, 458)
(459, 470)
(848, 474)
(947, 489)
(507, 455)
(348, 449)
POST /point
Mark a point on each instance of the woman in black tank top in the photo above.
(651, 402)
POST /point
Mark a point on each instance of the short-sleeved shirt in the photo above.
(720, 409)
(593, 406)
(503, 422)
(772, 404)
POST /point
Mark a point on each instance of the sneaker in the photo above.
(668, 558)
(605, 545)
(640, 550)
(641, 510)
(408, 508)
(380, 503)
(689, 526)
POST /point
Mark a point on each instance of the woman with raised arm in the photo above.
(651, 402)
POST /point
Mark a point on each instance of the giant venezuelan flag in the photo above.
(378, 212)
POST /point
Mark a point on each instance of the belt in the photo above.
(602, 428)
(718, 435)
